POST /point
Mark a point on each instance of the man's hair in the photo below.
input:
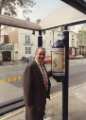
(39, 48)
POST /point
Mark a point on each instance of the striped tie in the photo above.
(45, 77)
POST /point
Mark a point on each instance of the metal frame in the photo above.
(78, 4)
(10, 21)
(65, 82)
(11, 105)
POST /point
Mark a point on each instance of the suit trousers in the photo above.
(35, 113)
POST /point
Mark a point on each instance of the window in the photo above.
(27, 39)
(6, 39)
(27, 50)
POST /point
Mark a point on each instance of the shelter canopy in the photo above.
(61, 16)
(10, 21)
(78, 4)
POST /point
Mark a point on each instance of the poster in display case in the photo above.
(58, 61)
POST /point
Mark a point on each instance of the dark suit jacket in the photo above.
(35, 93)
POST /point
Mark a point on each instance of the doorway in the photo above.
(6, 56)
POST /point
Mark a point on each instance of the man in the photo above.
(36, 87)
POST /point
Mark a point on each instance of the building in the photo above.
(73, 44)
(17, 43)
(51, 36)
(82, 40)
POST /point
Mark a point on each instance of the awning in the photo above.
(6, 47)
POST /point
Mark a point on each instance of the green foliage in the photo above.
(8, 7)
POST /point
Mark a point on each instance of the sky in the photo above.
(42, 9)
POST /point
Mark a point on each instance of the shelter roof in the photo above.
(10, 21)
(61, 16)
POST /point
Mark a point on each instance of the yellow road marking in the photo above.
(11, 79)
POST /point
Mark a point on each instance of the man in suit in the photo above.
(36, 87)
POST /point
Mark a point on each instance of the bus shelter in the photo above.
(72, 16)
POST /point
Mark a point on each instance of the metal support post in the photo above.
(40, 42)
(66, 77)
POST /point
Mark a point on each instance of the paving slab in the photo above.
(77, 106)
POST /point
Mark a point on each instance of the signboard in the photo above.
(58, 61)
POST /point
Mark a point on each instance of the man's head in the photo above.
(40, 55)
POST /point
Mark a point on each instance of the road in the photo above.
(77, 72)
(11, 70)
(11, 88)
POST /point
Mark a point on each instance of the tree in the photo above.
(8, 7)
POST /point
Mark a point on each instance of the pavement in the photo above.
(77, 106)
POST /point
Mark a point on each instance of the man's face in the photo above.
(40, 55)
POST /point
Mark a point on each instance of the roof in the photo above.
(78, 4)
(61, 16)
(10, 21)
